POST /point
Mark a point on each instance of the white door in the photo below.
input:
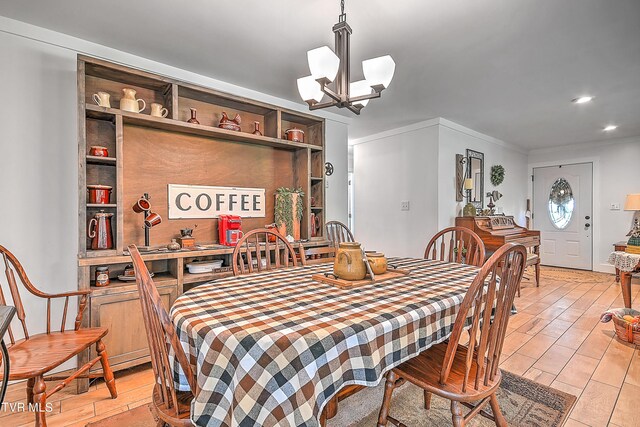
(563, 212)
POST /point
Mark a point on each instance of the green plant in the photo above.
(497, 175)
(284, 207)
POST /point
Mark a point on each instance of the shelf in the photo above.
(159, 279)
(316, 179)
(137, 119)
(101, 253)
(316, 208)
(204, 277)
(98, 160)
(101, 205)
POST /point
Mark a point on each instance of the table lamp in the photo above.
(632, 203)
(469, 209)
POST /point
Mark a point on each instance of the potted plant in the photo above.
(288, 211)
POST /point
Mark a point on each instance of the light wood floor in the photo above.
(555, 339)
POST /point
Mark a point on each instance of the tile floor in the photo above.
(555, 339)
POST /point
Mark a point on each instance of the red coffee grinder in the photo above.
(229, 229)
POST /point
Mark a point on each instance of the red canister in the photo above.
(99, 151)
(99, 194)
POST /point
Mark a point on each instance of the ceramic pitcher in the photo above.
(349, 262)
(158, 111)
(128, 102)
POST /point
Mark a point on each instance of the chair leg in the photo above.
(30, 383)
(537, 274)
(497, 414)
(427, 399)
(456, 412)
(106, 369)
(389, 386)
(40, 400)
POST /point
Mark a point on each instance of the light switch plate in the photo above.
(404, 205)
(615, 206)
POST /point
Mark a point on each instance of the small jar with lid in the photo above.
(102, 276)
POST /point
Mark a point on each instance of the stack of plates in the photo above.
(204, 266)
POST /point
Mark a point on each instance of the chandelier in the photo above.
(330, 74)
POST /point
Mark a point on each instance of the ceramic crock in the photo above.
(295, 135)
(99, 151)
(99, 194)
(378, 262)
(349, 263)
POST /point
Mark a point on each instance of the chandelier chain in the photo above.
(342, 7)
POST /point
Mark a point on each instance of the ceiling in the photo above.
(506, 68)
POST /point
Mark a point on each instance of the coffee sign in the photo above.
(199, 201)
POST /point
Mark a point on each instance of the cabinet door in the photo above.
(121, 313)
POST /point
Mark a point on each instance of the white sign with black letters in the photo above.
(200, 201)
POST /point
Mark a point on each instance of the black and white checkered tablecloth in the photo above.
(270, 349)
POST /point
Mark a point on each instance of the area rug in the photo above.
(524, 403)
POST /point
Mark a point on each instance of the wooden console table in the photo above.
(619, 246)
(624, 274)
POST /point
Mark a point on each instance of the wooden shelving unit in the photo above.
(146, 153)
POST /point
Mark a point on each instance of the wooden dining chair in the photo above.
(466, 374)
(533, 260)
(337, 233)
(318, 255)
(169, 405)
(263, 250)
(456, 244)
(34, 356)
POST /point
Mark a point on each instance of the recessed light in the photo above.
(610, 128)
(582, 99)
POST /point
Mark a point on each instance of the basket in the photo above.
(624, 329)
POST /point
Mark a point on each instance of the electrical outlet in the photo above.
(404, 205)
(615, 206)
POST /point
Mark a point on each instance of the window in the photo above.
(561, 203)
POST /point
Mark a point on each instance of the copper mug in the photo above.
(152, 220)
(141, 205)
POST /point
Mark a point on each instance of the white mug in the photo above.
(158, 111)
(102, 99)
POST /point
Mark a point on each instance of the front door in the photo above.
(562, 211)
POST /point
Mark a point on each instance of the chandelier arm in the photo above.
(363, 97)
(331, 94)
(354, 108)
(317, 105)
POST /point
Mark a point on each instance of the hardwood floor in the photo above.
(555, 339)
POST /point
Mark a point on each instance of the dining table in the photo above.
(272, 348)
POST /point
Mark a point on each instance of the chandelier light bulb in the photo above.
(310, 89)
(323, 63)
(360, 88)
(379, 71)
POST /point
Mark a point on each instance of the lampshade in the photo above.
(632, 203)
(379, 71)
(310, 89)
(323, 63)
(360, 88)
(468, 184)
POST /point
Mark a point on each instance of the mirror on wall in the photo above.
(475, 171)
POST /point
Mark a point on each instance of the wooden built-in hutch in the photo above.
(147, 153)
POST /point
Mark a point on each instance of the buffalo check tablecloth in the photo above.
(271, 348)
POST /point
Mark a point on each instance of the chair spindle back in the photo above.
(488, 304)
(337, 233)
(161, 335)
(456, 244)
(262, 244)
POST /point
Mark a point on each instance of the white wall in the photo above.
(455, 139)
(616, 174)
(388, 170)
(417, 163)
(38, 150)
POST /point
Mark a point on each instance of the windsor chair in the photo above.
(456, 244)
(337, 233)
(262, 254)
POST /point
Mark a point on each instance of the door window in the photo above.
(561, 203)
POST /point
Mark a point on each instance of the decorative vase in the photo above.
(282, 226)
(378, 262)
(174, 245)
(257, 130)
(193, 118)
(469, 210)
(349, 262)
